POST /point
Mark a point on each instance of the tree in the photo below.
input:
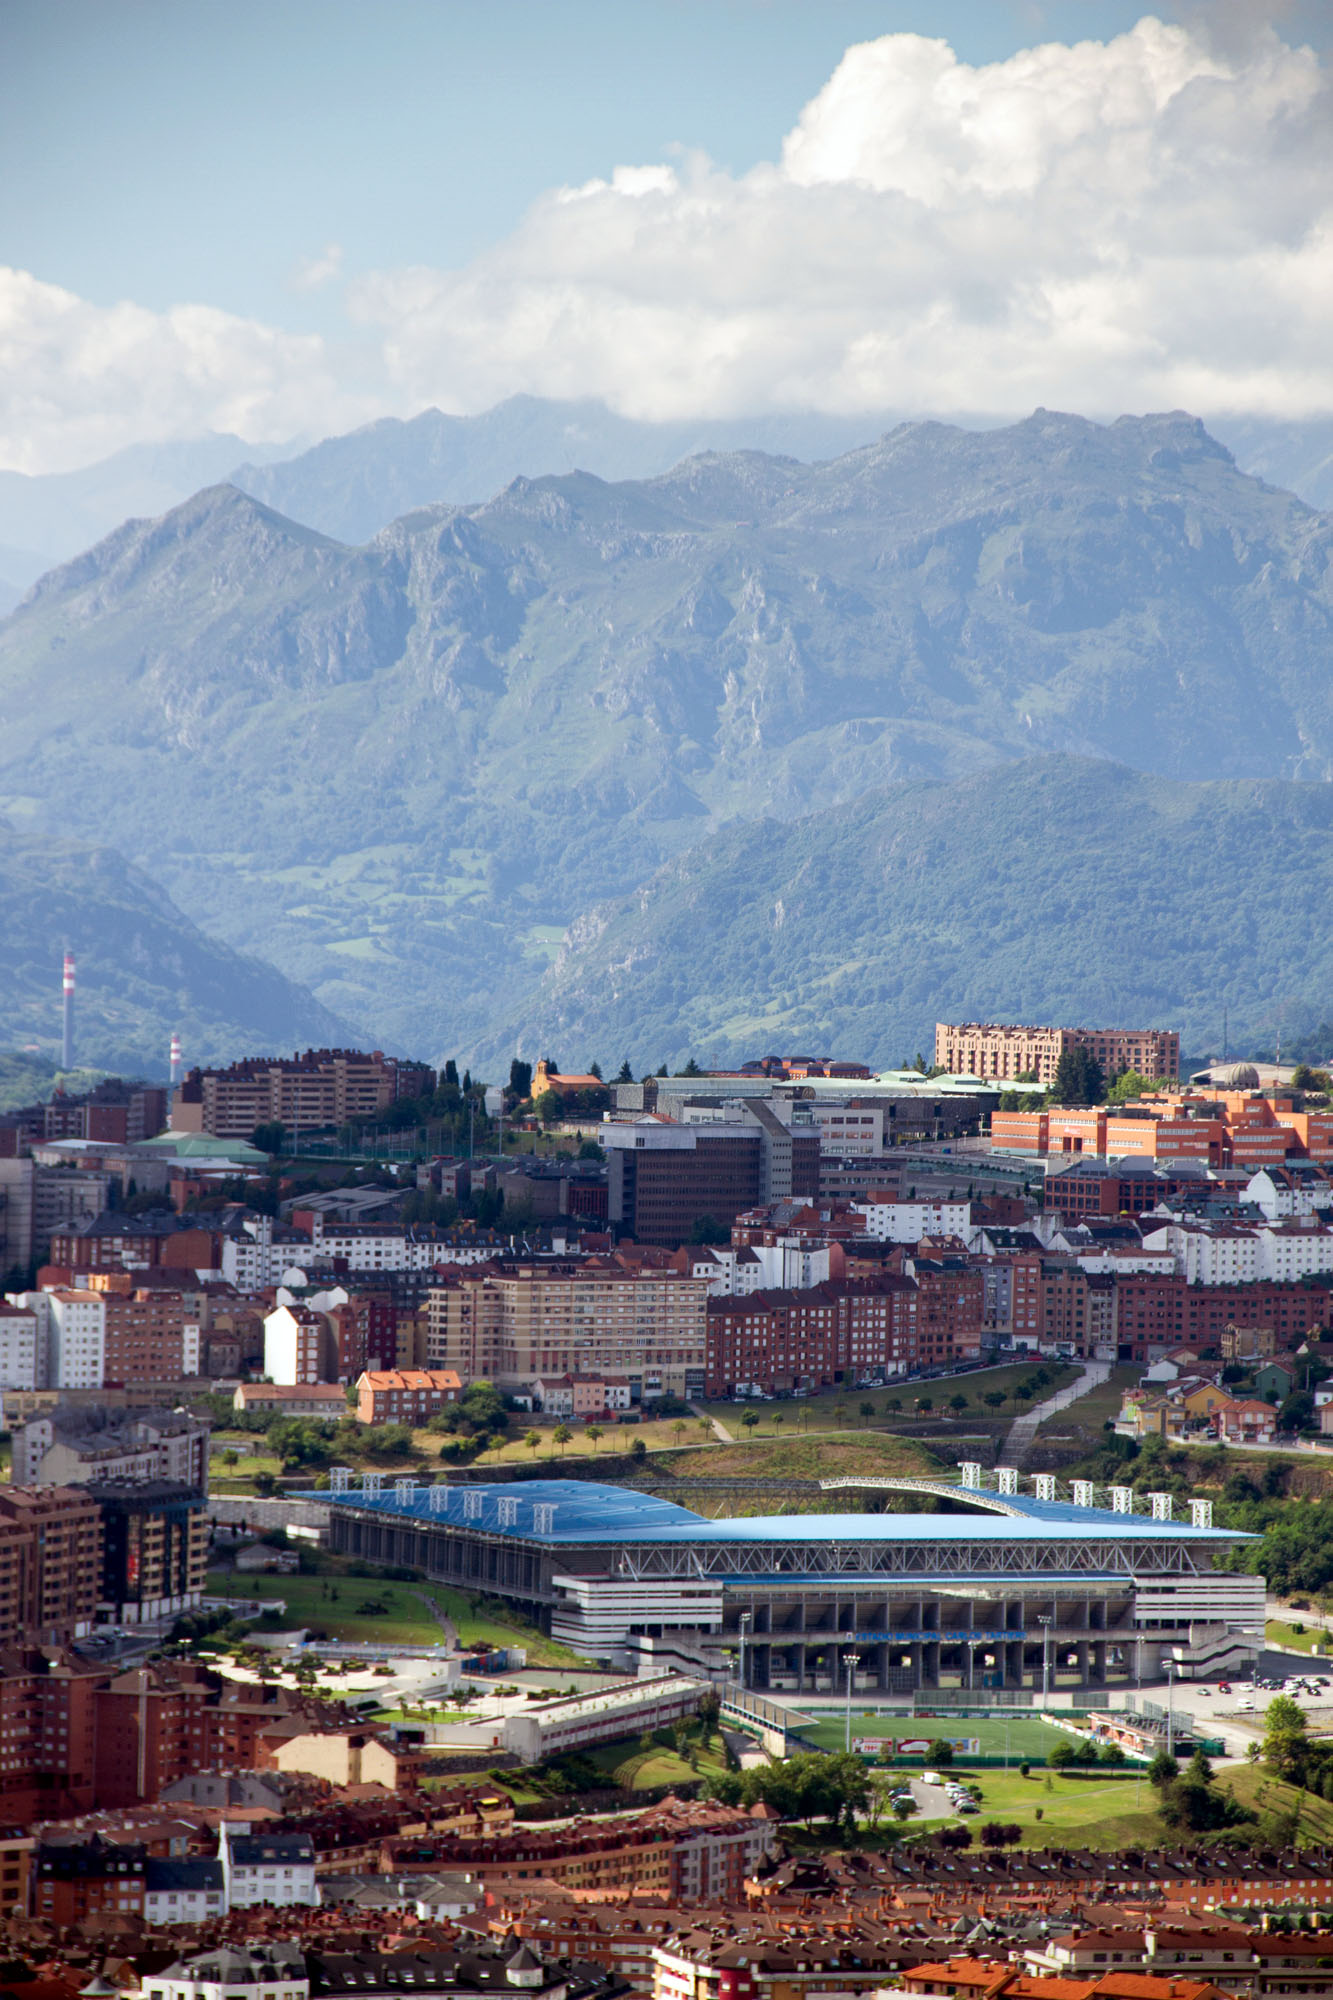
(624, 1074)
(520, 1079)
(594, 1434)
(750, 1419)
(866, 1411)
(1285, 1737)
(1078, 1078)
(638, 1449)
(995, 1399)
(710, 1714)
(270, 1138)
(547, 1107)
(905, 1808)
(706, 1229)
(561, 1435)
(1127, 1085)
(1163, 1770)
(691, 1069)
(958, 1402)
(679, 1429)
(941, 1752)
(533, 1440)
(1062, 1757)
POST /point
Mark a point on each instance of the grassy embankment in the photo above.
(635, 1768)
(332, 1604)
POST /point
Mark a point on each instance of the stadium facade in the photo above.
(996, 1590)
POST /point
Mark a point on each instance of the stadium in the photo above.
(992, 1590)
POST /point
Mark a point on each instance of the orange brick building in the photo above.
(1214, 1128)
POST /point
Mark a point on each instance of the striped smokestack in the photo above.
(67, 1040)
(175, 1060)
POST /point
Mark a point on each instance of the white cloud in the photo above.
(79, 381)
(312, 272)
(1107, 226)
(1142, 223)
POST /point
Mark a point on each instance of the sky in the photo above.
(282, 220)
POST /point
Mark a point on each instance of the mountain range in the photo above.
(144, 970)
(415, 772)
(1058, 888)
(353, 485)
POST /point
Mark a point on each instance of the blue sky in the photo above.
(203, 148)
(176, 173)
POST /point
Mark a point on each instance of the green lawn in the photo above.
(331, 1602)
(476, 1627)
(821, 1455)
(1291, 1641)
(1028, 1735)
(1120, 1812)
(1089, 1812)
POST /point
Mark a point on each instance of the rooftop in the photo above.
(581, 1512)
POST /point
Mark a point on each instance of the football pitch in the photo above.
(1027, 1737)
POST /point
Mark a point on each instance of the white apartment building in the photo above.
(1236, 1253)
(232, 1973)
(1286, 1193)
(183, 1892)
(298, 1346)
(22, 1348)
(266, 1868)
(889, 1220)
(73, 1326)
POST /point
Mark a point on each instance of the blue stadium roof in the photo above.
(584, 1512)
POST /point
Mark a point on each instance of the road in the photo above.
(1023, 1429)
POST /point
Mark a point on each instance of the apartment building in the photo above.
(74, 1444)
(531, 1323)
(47, 1736)
(405, 1395)
(818, 1337)
(72, 1333)
(1006, 1051)
(50, 1563)
(154, 1549)
(888, 1217)
(305, 1093)
(299, 1346)
(22, 1348)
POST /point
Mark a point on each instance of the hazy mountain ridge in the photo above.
(1060, 888)
(353, 485)
(144, 970)
(402, 770)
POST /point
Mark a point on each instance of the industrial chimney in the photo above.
(67, 1042)
(175, 1060)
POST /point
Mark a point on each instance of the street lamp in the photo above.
(1045, 1621)
(851, 1661)
(1171, 1670)
(744, 1627)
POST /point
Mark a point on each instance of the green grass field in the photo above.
(1086, 1812)
(331, 1602)
(1028, 1736)
(1290, 1640)
(815, 1457)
